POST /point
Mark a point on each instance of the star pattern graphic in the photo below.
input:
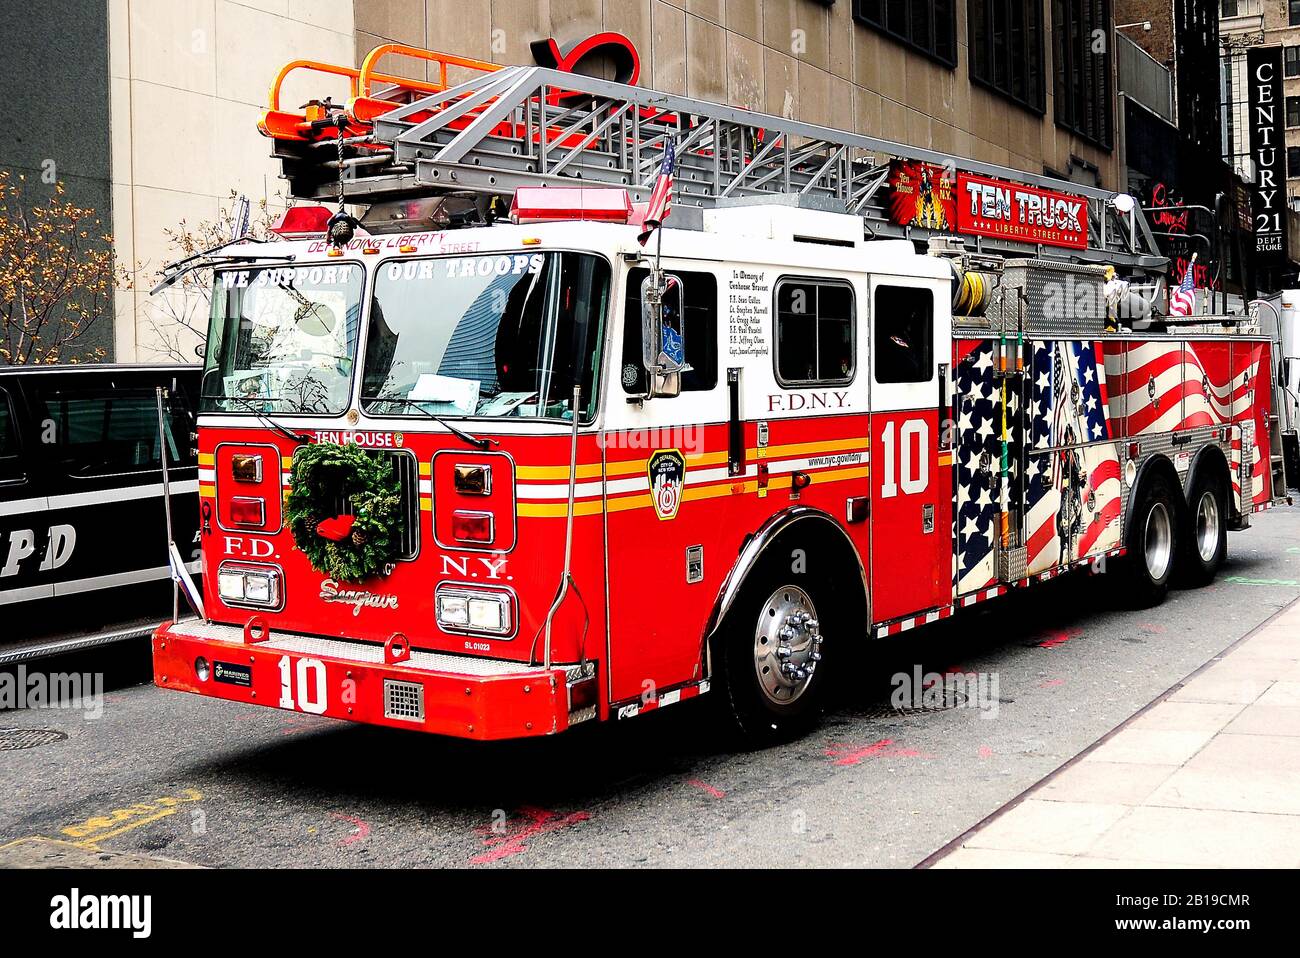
(979, 459)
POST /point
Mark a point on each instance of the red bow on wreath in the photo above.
(336, 529)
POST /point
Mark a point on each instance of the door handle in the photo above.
(945, 410)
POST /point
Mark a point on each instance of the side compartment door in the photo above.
(911, 454)
(978, 403)
(1073, 492)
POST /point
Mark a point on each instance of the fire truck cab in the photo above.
(631, 474)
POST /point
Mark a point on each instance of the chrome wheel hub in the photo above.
(1207, 526)
(1159, 541)
(787, 644)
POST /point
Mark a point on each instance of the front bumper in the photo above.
(456, 695)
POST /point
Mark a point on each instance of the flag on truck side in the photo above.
(661, 197)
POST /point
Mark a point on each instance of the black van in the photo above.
(83, 542)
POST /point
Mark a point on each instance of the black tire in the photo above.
(1152, 544)
(1205, 533)
(748, 642)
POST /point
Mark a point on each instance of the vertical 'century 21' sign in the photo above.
(1268, 150)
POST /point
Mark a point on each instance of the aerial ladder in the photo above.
(501, 128)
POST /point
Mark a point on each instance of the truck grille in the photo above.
(407, 469)
(403, 700)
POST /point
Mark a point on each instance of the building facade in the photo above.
(1172, 122)
(1245, 25)
(1025, 84)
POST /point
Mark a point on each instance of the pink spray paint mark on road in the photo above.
(885, 748)
(514, 840)
(1152, 628)
(985, 752)
(706, 787)
(359, 832)
(1051, 683)
(1058, 637)
(946, 673)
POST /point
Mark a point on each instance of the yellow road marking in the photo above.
(90, 832)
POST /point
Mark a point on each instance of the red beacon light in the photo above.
(550, 204)
(299, 221)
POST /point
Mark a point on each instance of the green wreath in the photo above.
(364, 540)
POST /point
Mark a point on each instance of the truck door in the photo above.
(911, 454)
(23, 505)
(666, 482)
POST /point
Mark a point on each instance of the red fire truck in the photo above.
(485, 463)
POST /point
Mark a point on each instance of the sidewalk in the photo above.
(1208, 776)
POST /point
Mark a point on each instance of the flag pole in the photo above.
(167, 500)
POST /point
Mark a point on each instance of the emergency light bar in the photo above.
(540, 204)
(302, 221)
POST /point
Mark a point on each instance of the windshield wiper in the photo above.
(266, 420)
(460, 434)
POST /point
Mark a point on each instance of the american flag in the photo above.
(1073, 493)
(661, 197)
(1168, 386)
(979, 457)
(1182, 301)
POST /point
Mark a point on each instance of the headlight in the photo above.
(453, 610)
(487, 614)
(257, 586)
(471, 610)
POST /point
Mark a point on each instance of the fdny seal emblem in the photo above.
(667, 471)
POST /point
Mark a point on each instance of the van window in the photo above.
(814, 332)
(11, 463)
(904, 347)
(111, 432)
(699, 305)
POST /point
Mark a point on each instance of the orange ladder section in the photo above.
(364, 100)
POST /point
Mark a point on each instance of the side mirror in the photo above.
(663, 338)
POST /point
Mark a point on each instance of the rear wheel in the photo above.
(1206, 541)
(772, 657)
(1152, 543)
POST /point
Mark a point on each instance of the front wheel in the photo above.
(773, 668)
(1206, 543)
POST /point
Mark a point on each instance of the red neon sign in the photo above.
(613, 47)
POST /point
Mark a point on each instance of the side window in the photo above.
(904, 343)
(104, 432)
(11, 462)
(698, 303)
(814, 332)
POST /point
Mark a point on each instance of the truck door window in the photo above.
(698, 302)
(904, 344)
(814, 332)
(114, 432)
(11, 463)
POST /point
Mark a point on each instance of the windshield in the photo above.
(282, 339)
(495, 335)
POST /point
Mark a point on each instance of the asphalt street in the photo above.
(182, 778)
